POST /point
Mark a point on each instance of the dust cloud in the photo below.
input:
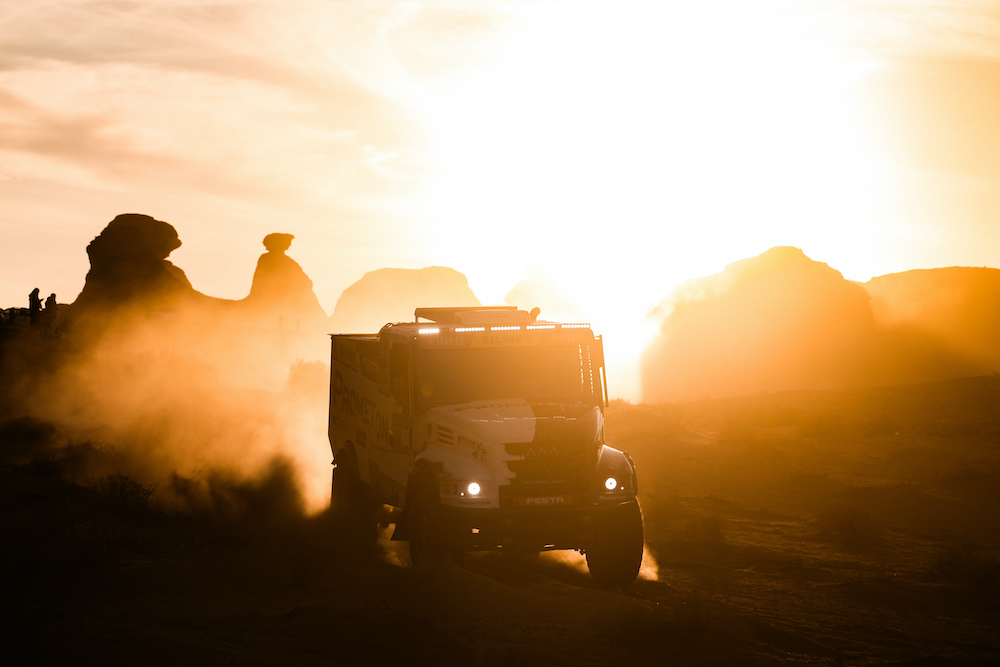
(174, 410)
(194, 395)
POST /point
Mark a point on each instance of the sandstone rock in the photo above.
(128, 267)
(944, 323)
(779, 321)
(281, 290)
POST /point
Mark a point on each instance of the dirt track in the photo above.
(850, 528)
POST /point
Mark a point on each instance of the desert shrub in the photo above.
(123, 491)
(44, 465)
(122, 518)
(80, 457)
(272, 496)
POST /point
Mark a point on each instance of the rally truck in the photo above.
(482, 428)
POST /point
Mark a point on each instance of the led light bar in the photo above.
(507, 327)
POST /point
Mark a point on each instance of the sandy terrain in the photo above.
(803, 528)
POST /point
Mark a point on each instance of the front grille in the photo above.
(551, 474)
(445, 435)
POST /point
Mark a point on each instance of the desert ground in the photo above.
(808, 528)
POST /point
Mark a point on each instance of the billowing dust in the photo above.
(186, 400)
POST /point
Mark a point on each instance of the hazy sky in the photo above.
(616, 149)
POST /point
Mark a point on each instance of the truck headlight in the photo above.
(474, 488)
(611, 484)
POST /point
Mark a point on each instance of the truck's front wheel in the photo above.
(427, 543)
(616, 554)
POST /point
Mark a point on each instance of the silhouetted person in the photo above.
(34, 306)
(49, 313)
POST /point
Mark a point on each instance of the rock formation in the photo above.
(281, 291)
(943, 323)
(781, 321)
(391, 295)
(769, 323)
(129, 267)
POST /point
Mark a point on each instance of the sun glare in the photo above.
(627, 156)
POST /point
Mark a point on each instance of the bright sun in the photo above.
(620, 156)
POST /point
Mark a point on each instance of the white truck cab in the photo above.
(483, 429)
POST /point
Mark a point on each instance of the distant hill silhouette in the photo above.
(391, 295)
(768, 323)
(781, 321)
(778, 321)
(941, 323)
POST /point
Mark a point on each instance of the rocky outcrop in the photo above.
(281, 292)
(943, 323)
(781, 321)
(129, 267)
(769, 323)
(391, 295)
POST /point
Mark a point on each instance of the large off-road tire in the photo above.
(432, 539)
(616, 554)
(427, 546)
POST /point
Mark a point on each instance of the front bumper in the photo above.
(523, 528)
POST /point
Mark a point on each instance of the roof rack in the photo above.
(473, 315)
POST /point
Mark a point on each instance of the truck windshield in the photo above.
(538, 373)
